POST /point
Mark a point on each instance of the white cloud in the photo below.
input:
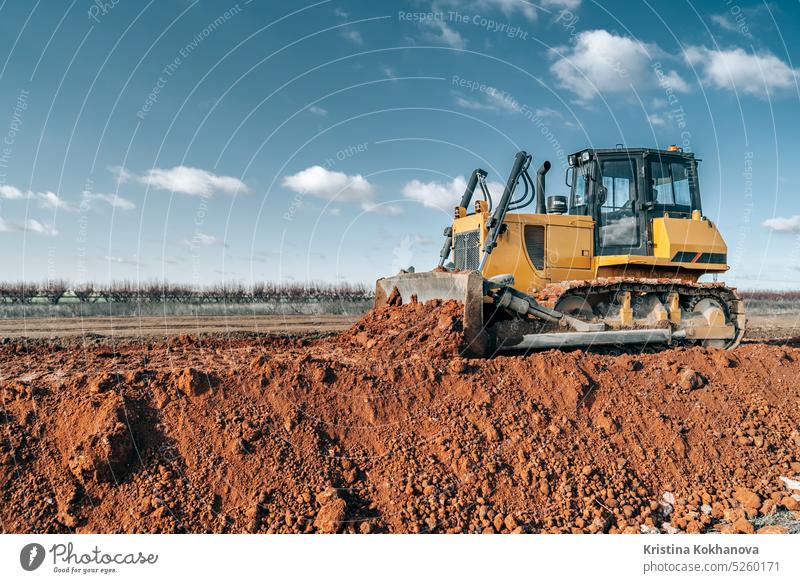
(783, 225)
(184, 179)
(502, 101)
(330, 185)
(48, 200)
(51, 200)
(754, 73)
(723, 21)
(568, 4)
(673, 80)
(473, 104)
(12, 192)
(121, 174)
(205, 240)
(509, 8)
(122, 260)
(388, 210)
(29, 226)
(656, 119)
(443, 195)
(340, 187)
(114, 200)
(441, 33)
(317, 110)
(353, 36)
(600, 61)
(491, 99)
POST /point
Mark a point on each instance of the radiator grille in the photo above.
(466, 250)
(534, 243)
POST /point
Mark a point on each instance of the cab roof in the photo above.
(634, 152)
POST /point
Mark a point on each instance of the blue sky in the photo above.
(285, 140)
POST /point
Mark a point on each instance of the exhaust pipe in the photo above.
(540, 191)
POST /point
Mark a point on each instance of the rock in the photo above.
(67, 519)
(192, 383)
(510, 522)
(667, 504)
(103, 382)
(691, 380)
(772, 529)
(733, 514)
(327, 495)
(607, 423)
(499, 521)
(790, 484)
(446, 323)
(324, 375)
(365, 528)
(667, 528)
(790, 503)
(747, 498)
(645, 529)
(744, 526)
(491, 432)
(694, 527)
(350, 476)
(330, 517)
(706, 509)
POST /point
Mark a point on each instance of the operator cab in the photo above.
(624, 189)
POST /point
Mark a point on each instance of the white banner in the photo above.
(398, 557)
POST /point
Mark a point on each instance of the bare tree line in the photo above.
(62, 291)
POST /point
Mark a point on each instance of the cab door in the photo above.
(618, 200)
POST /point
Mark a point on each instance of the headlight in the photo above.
(585, 156)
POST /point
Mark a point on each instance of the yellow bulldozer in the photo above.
(615, 264)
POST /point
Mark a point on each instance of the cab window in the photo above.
(578, 204)
(670, 183)
(618, 225)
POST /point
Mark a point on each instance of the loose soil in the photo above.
(385, 428)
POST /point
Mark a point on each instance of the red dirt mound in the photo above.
(386, 429)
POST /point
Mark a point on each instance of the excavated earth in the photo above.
(385, 428)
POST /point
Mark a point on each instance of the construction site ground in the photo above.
(278, 424)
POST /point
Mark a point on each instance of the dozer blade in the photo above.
(480, 340)
(465, 287)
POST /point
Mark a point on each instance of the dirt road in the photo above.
(131, 327)
(759, 327)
